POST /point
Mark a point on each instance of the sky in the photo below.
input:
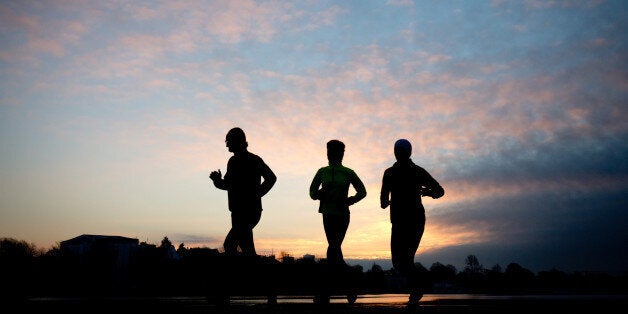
(113, 114)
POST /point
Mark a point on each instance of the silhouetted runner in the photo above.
(334, 201)
(245, 188)
(403, 185)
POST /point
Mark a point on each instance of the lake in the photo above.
(428, 298)
(365, 304)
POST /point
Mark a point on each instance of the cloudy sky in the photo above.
(113, 113)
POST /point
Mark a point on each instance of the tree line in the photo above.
(163, 270)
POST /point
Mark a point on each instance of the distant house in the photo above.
(86, 241)
(116, 249)
(83, 243)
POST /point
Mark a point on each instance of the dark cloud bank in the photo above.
(574, 218)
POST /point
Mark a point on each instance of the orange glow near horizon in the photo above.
(366, 242)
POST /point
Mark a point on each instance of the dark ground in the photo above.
(586, 304)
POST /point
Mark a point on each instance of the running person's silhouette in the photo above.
(243, 182)
(335, 180)
(403, 185)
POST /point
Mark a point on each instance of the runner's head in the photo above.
(236, 140)
(335, 151)
(403, 149)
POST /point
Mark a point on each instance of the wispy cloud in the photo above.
(520, 123)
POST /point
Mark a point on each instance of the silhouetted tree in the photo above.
(375, 278)
(495, 278)
(358, 268)
(376, 269)
(420, 268)
(28, 271)
(13, 248)
(165, 243)
(441, 272)
(182, 250)
(16, 263)
(54, 251)
(518, 278)
(496, 269)
(473, 276)
(516, 271)
(554, 280)
(472, 265)
(286, 258)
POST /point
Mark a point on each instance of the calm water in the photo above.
(403, 298)
(385, 299)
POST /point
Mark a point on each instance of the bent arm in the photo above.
(218, 181)
(359, 189)
(269, 179)
(432, 188)
(384, 195)
(316, 182)
(221, 184)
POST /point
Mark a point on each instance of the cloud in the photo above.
(559, 226)
(565, 193)
(524, 129)
(403, 3)
(40, 36)
(192, 240)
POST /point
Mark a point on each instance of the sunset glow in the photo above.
(113, 114)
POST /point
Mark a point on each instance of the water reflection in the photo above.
(362, 299)
(391, 299)
(382, 299)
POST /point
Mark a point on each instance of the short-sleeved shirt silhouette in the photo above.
(244, 177)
